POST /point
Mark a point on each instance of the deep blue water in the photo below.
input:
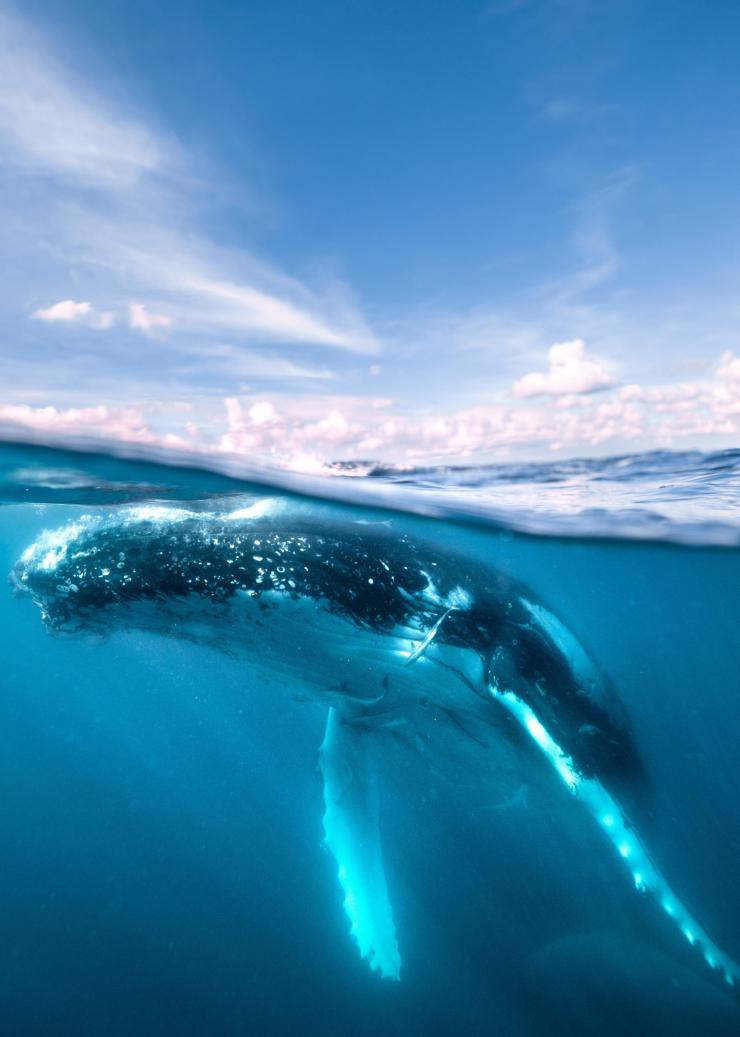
(162, 863)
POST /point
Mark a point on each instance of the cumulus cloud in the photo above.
(67, 311)
(112, 422)
(305, 436)
(262, 412)
(728, 368)
(142, 319)
(570, 372)
(302, 431)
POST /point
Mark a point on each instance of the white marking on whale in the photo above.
(352, 835)
(607, 812)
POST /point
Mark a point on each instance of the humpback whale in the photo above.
(383, 627)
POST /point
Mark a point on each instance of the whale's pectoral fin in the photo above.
(352, 835)
(615, 824)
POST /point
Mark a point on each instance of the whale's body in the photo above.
(391, 633)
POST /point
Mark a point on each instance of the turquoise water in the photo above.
(164, 810)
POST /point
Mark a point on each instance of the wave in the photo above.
(681, 497)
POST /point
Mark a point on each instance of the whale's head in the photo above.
(76, 572)
(132, 563)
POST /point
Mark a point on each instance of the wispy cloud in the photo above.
(568, 109)
(50, 124)
(105, 191)
(244, 366)
(593, 239)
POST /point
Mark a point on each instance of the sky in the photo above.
(421, 232)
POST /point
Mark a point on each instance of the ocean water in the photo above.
(527, 803)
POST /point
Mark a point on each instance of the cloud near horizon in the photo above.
(570, 371)
(307, 433)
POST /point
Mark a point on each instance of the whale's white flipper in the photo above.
(607, 812)
(352, 835)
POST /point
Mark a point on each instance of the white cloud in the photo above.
(111, 196)
(728, 368)
(48, 124)
(570, 372)
(276, 318)
(126, 423)
(254, 310)
(109, 208)
(307, 431)
(67, 311)
(262, 412)
(142, 319)
(238, 368)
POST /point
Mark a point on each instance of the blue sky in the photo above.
(309, 231)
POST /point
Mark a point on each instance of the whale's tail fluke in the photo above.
(352, 836)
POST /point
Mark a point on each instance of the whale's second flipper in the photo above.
(352, 835)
